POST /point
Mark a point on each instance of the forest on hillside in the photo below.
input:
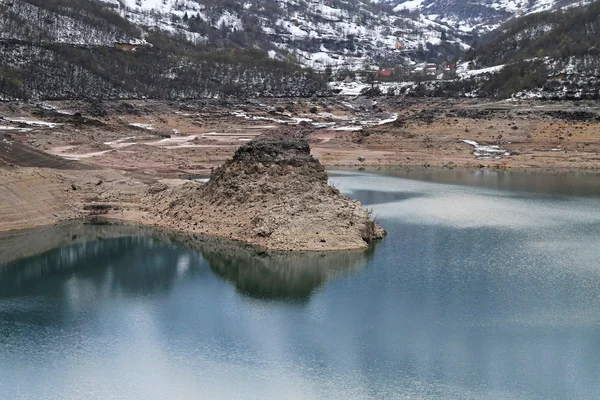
(62, 49)
(551, 51)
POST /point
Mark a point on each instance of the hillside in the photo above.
(84, 49)
(184, 49)
(478, 15)
(313, 33)
(549, 54)
(188, 49)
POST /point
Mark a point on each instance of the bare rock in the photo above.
(273, 194)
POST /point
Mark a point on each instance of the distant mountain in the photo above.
(478, 15)
(172, 49)
(547, 54)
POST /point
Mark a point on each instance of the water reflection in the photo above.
(373, 197)
(135, 261)
(475, 294)
(280, 275)
(131, 265)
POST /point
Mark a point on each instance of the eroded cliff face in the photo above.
(273, 194)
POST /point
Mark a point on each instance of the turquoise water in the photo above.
(487, 287)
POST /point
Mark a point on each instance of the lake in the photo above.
(486, 287)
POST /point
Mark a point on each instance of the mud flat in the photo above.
(188, 139)
(183, 139)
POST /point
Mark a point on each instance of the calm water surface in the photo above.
(487, 287)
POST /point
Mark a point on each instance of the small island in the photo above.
(272, 194)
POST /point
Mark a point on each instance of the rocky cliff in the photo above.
(273, 194)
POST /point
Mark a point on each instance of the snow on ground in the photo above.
(14, 128)
(373, 33)
(482, 151)
(348, 128)
(323, 124)
(333, 116)
(463, 70)
(148, 127)
(291, 121)
(349, 89)
(393, 118)
(173, 141)
(355, 88)
(409, 5)
(33, 123)
(120, 143)
(578, 4)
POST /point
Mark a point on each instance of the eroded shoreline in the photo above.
(188, 139)
(272, 194)
(119, 197)
(72, 160)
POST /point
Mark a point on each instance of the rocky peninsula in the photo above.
(272, 194)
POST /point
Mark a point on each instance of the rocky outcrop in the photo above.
(273, 194)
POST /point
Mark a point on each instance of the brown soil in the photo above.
(34, 197)
(40, 164)
(272, 194)
(190, 139)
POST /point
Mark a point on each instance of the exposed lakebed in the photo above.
(486, 287)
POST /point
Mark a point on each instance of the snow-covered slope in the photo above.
(338, 34)
(478, 15)
(196, 48)
(26, 21)
(84, 49)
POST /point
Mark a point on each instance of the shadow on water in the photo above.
(133, 260)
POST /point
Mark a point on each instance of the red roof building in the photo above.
(385, 72)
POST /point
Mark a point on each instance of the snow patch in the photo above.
(147, 127)
(483, 152)
(33, 123)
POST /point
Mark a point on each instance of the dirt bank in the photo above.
(32, 197)
(134, 160)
